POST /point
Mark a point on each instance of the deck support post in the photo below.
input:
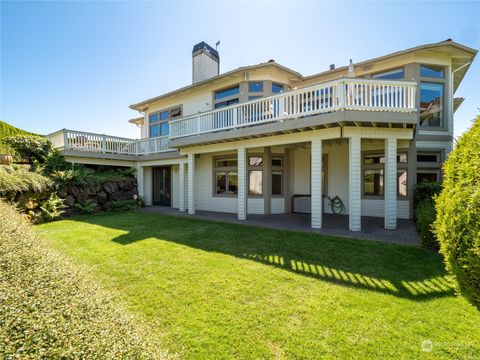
(316, 181)
(191, 184)
(242, 183)
(181, 187)
(390, 183)
(140, 180)
(354, 183)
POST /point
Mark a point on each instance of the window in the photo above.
(158, 121)
(425, 175)
(392, 74)
(255, 86)
(373, 182)
(277, 161)
(255, 161)
(250, 98)
(255, 182)
(402, 183)
(226, 176)
(432, 71)
(226, 103)
(277, 182)
(373, 174)
(277, 88)
(431, 104)
(227, 92)
(428, 157)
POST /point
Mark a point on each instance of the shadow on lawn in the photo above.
(403, 271)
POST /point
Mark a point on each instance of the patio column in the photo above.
(354, 184)
(181, 187)
(390, 183)
(316, 181)
(242, 184)
(191, 184)
(267, 181)
(140, 180)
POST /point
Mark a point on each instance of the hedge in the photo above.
(458, 214)
(15, 179)
(52, 309)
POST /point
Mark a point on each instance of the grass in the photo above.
(217, 290)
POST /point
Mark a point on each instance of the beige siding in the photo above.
(278, 205)
(375, 207)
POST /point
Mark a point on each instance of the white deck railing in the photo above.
(90, 142)
(342, 94)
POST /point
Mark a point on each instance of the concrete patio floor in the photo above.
(336, 225)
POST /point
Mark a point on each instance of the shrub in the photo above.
(52, 309)
(425, 219)
(16, 179)
(124, 205)
(30, 147)
(426, 190)
(52, 208)
(88, 207)
(62, 177)
(458, 214)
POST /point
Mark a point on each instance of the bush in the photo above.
(52, 208)
(425, 219)
(124, 205)
(51, 309)
(88, 207)
(426, 190)
(458, 214)
(30, 147)
(16, 179)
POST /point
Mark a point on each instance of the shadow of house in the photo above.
(402, 271)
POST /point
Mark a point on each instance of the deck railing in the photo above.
(342, 94)
(90, 142)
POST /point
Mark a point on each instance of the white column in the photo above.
(390, 185)
(242, 184)
(191, 184)
(316, 181)
(140, 181)
(354, 184)
(181, 186)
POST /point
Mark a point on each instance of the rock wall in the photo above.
(102, 194)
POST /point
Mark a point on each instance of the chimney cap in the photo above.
(204, 45)
(332, 66)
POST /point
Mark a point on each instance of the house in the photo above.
(265, 139)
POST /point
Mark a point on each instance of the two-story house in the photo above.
(264, 139)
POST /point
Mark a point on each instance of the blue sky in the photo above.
(79, 65)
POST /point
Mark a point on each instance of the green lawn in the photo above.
(217, 290)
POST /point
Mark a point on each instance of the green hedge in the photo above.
(50, 309)
(425, 217)
(7, 130)
(458, 214)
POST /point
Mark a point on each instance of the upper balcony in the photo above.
(359, 101)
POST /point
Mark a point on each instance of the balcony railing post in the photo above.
(234, 117)
(340, 90)
(198, 125)
(66, 145)
(104, 144)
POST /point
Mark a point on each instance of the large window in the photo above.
(391, 74)
(158, 121)
(277, 88)
(432, 71)
(374, 174)
(277, 175)
(227, 92)
(431, 104)
(255, 175)
(226, 176)
(255, 86)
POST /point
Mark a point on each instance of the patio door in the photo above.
(162, 190)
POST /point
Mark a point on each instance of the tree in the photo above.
(458, 214)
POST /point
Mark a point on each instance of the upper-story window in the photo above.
(391, 74)
(431, 104)
(222, 104)
(277, 88)
(158, 121)
(432, 71)
(255, 86)
(227, 92)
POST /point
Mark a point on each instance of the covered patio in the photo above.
(335, 225)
